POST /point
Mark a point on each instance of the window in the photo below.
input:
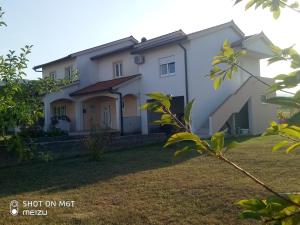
(263, 99)
(167, 66)
(52, 75)
(118, 69)
(59, 110)
(68, 72)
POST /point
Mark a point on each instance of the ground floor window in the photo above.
(60, 110)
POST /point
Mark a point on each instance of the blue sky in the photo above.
(59, 27)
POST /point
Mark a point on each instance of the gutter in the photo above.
(185, 73)
(121, 109)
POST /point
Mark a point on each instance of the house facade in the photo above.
(114, 79)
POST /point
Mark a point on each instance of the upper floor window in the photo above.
(118, 69)
(68, 72)
(167, 66)
(52, 75)
(263, 99)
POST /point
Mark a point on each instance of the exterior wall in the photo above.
(151, 80)
(59, 68)
(105, 66)
(258, 45)
(89, 69)
(201, 50)
(130, 106)
(261, 114)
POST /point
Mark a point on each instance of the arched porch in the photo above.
(99, 112)
(62, 113)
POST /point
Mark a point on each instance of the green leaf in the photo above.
(161, 98)
(165, 119)
(280, 77)
(295, 198)
(292, 147)
(291, 132)
(187, 112)
(237, 1)
(276, 14)
(183, 136)
(228, 75)
(215, 62)
(285, 101)
(180, 152)
(248, 214)
(275, 59)
(249, 4)
(294, 5)
(280, 145)
(217, 141)
(149, 106)
(217, 82)
(252, 204)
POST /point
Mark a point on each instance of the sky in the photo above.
(57, 28)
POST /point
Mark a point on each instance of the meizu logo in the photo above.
(14, 207)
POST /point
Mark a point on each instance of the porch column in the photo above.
(233, 129)
(144, 116)
(79, 116)
(47, 115)
(118, 114)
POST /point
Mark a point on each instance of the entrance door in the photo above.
(106, 115)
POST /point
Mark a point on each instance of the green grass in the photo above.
(144, 186)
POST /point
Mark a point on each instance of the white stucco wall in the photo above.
(59, 68)
(201, 50)
(105, 65)
(151, 80)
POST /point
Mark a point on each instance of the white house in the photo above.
(114, 78)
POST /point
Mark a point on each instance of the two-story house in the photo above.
(114, 78)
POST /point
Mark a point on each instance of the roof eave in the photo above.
(174, 41)
(53, 62)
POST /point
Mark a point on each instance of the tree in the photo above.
(21, 100)
(278, 208)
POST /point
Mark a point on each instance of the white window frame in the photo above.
(167, 61)
(118, 69)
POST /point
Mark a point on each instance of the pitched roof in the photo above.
(159, 41)
(73, 55)
(240, 42)
(104, 85)
(96, 57)
(216, 28)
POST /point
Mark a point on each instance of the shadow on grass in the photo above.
(72, 173)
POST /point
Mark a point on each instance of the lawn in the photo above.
(144, 186)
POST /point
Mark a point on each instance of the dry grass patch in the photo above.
(143, 186)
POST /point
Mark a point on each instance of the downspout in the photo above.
(185, 73)
(121, 110)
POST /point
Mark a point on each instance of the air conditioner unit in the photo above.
(139, 59)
